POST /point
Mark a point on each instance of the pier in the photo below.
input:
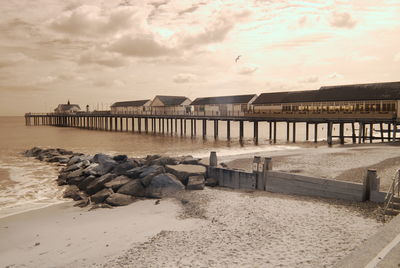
(362, 130)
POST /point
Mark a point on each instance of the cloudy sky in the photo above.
(98, 52)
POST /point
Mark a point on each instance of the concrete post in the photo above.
(266, 167)
(213, 159)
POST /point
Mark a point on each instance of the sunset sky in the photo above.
(100, 52)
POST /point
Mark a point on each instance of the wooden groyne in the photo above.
(178, 124)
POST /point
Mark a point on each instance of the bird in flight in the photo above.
(237, 58)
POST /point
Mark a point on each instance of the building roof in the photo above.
(171, 100)
(236, 99)
(357, 92)
(66, 107)
(130, 103)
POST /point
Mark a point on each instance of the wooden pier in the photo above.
(177, 124)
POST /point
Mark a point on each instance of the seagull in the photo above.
(237, 58)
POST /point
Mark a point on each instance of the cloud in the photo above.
(109, 83)
(106, 58)
(88, 20)
(309, 80)
(217, 29)
(12, 59)
(248, 69)
(342, 20)
(335, 76)
(184, 78)
(140, 46)
(188, 10)
(301, 41)
(397, 57)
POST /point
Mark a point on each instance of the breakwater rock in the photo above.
(105, 180)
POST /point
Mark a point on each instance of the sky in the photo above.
(99, 52)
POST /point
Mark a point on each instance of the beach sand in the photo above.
(347, 163)
(211, 228)
(67, 236)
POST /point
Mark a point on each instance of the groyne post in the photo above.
(228, 129)
(316, 132)
(371, 183)
(213, 159)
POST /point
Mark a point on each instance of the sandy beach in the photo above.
(215, 227)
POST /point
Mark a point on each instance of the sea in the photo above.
(27, 184)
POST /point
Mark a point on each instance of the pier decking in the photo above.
(177, 124)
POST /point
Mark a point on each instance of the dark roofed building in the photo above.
(170, 105)
(236, 99)
(131, 107)
(67, 108)
(224, 105)
(161, 100)
(375, 91)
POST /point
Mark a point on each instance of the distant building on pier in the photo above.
(131, 107)
(223, 106)
(170, 105)
(67, 108)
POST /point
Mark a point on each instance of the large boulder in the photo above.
(182, 172)
(85, 182)
(146, 180)
(195, 182)
(98, 183)
(122, 168)
(189, 160)
(134, 188)
(118, 199)
(105, 166)
(141, 172)
(117, 182)
(72, 176)
(164, 185)
(120, 158)
(100, 196)
(89, 169)
(72, 191)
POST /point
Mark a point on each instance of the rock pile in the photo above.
(118, 180)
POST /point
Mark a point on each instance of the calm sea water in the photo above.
(26, 183)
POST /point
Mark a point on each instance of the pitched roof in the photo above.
(236, 99)
(130, 103)
(374, 91)
(66, 107)
(171, 100)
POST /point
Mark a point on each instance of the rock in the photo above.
(212, 182)
(72, 191)
(189, 160)
(122, 168)
(102, 195)
(35, 151)
(146, 180)
(120, 158)
(62, 179)
(151, 169)
(98, 183)
(60, 159)
(182, 172)
(195, 182)
(85, 182)
(117, 182)
(106, 164)
(88, 170)
(118, 199)
(73, 167)
(64, 152)
(75, 177)
(102, 205)
(165, 160)
(82, 203)
(151, 158)
(163, 185)
(141, 172)
(134, 188)
(76, 180)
